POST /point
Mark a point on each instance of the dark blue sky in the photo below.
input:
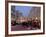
(24, 9)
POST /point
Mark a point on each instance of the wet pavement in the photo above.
(20, 27)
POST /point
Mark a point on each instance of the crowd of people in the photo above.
(35, 23)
